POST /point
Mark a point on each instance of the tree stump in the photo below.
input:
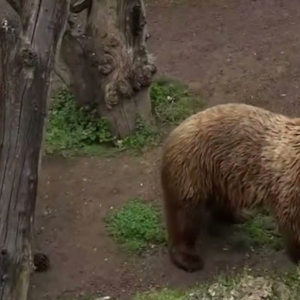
(28, 47)
(109, 66)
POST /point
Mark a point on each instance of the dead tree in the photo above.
(109, 66)
(28, 46)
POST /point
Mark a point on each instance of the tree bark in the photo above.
(27, 52)
(109, 66)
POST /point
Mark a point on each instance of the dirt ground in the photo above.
(229, 51)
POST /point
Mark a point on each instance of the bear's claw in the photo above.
(186, 261)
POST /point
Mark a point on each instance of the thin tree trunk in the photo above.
(109, 66)
(27, 51)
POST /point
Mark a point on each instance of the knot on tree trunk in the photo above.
(28, 56)
(4, 266)
(9, 31)
(106, 64)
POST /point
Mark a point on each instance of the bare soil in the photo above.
(227, 50)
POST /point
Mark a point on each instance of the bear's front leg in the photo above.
(183, 224)
(292, 246)
(289, 226)
(185, 258)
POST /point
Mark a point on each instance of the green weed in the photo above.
(71, 130)
(144, 137)
(172, 102)
(136, 225)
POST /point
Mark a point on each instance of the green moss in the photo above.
(136, 225)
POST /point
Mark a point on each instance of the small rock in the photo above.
(115, 191)
(104, 298)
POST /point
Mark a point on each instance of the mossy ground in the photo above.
(242, 286)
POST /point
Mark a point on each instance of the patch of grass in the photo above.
(136, 225)
(164, 294)
(71, 130)
(172, 102)
(144, 137)
(259, 231)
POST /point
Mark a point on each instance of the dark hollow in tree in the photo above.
(27, 52)
(109, 65)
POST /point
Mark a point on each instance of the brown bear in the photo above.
(225, 159)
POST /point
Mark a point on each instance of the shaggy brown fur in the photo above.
(222, 160)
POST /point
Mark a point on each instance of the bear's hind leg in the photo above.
(184, 219)
(290, 227)
(293, 249)
(228, 216)
(221, 215)
(292, 245)
(223, 211)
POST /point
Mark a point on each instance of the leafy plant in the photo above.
(144, 136)
(136, 225)
(71, 127)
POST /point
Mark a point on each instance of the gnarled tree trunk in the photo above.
(27, 51)
(109, 66)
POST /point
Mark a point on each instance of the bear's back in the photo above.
(227, 130)
(230, 147)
